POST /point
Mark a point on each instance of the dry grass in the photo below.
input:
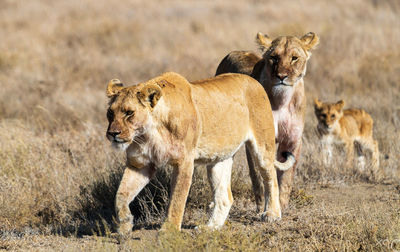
(58, 174)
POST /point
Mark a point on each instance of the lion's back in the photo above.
(238, 62)
(363, 121)
(231, 87)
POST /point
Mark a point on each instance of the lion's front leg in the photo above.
(131, 184)
(326, 151)
(181, 181)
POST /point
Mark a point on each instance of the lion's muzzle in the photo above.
(113, 136)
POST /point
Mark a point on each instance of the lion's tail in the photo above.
(290, 160)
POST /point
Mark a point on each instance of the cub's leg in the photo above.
(219, 177)
(180, 185)
(326, 144)
(360, 156)
(372, 145)
(264, 160)
(375, 158)
(349, 153)
(133, 181)
(256, 181)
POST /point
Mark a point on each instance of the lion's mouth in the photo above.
(116, 140)
(120, 141)
(325, 128)
(281, 83)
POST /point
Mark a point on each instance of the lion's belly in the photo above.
(220, 143)
(224, 127)
(214, 153)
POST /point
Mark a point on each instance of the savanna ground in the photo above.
(59, 175)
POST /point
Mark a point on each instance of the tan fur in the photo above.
(280, 71)
(243, 63)
(168, 121)
(351, 127)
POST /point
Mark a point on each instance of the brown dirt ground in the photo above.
(320, 217)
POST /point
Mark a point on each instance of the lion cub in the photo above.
(351, 127)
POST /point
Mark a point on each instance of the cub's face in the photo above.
(286, 57)
(328, 114)
(129, 113)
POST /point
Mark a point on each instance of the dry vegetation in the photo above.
(58, 174)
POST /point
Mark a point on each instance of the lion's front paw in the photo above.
(120, 238)
(271, 216)
(124, 229)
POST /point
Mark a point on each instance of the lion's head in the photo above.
(130, 111)
(286, 57)
(328, 114)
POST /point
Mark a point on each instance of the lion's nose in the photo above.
(281, 76)
(114, 133)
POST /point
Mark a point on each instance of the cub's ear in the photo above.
(317, 103)
(340, 105)
(149, 95)
(310, 41)
(263, 41)
(113, 87)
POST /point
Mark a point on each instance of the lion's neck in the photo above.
(150, 148)
(282, 97)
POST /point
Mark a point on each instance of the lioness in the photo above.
(351, 127)
(280, 71)
(169, 121)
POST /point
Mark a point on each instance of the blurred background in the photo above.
(57, 170)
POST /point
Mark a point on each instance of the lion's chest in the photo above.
(156, 150)
(288, 126)
(330, 140)
(138, 157)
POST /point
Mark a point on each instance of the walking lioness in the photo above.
(350, 127)
(280, 71)
(168, 121)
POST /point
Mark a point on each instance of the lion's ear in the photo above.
(113, 87)
(317, 103)
(310, 41)
(340, 105)
(149, 95)
(263, 41)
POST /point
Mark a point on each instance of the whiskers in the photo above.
(139, 140)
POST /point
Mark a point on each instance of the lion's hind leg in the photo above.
(219, 177)
(264, 160)
(360, 155)
(375, 156)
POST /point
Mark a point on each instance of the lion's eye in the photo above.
(333, 116)
(129, 113)
(323, 116)
(274, 58)
(294, 58)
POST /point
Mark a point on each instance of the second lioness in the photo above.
(168, 121)
(280, 70)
